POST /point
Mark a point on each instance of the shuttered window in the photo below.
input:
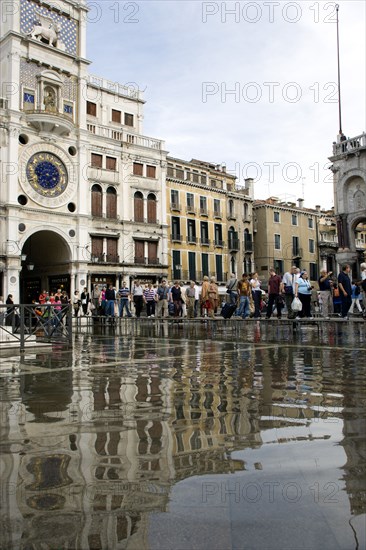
(138, 207)
(96, 201)
(116, 116)
(112, 246)
(96, 160)
(139, 252)
(152, 253)
(97, 247)
(151, 171)
(91, 108)
(151, 208)
(138, 169)
(111, 203)
(128, 119)
(111, 163)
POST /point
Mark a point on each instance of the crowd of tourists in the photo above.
(291, 294)
(294, 293)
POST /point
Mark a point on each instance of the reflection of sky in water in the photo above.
(140, 425)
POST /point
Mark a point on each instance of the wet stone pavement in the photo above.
(180, 437)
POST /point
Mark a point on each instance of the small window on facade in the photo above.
(277, 243)
(151, 208)
(150, 171)
(96, 201)
(294, 219)
(310, 223)
(138, 169)
(111, 163)
(116, 116)
(111, 203)
(216, 206)
(190, 200)
(276, 217)
(128, 119)
(174, 197)
(96, 160)
(138, 207)
(91, 108)
(311, 246)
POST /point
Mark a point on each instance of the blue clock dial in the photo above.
(47, 174)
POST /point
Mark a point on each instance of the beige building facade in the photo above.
(209, 221)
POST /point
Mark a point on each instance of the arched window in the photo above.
(111, 203)
(96, 201)
(233, 264)
(138, 207)
(151, 208)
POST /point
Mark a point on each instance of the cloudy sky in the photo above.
(252, 85)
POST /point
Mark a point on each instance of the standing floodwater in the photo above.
(183, 439)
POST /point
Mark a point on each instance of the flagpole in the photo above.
(339, 75)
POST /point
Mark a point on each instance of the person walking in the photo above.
(150, 300)
(190, 299)
(303, 292)
(325, 290)
(256, 294)
(176, 298)
(345, 290)
(213, 297)
(85, 299)
(138, 297)
(274, 288)
(96, 299)
(162, 299)
(288, 289)
(110, 299)
(244, 291)
(76, 303)
(232, 291)
(356, 294)
(124, 297)
(205, 302)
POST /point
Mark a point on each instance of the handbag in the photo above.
(289, 289)
(296, 304)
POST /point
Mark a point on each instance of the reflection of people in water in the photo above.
(49, 101)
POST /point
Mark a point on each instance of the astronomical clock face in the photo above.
(47, 174)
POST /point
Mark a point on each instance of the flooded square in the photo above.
(169, 437)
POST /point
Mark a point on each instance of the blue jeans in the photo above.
(243, 310)
(233, 296)
(109, 308)
(122, 305)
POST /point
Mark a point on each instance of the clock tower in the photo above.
(43, 143)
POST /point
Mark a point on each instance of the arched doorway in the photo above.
(359, 234)
(47, 265)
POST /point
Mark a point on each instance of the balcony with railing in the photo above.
(176, 238)
(248, 246)
(105, 258)
(191, 210)
(296, 252)
(360, 244)
(205, 241)
(191, 239)
(123, 136)
(349, 146)
(175, 207)
(204, 212)
(219, 243)
(130, 91)
(328, 240)
(234, 245)
(217, 214)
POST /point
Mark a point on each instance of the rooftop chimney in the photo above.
(249, 185)
(300, 203)
(317, 207)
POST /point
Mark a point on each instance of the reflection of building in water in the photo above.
(126, 435)
(354, 443)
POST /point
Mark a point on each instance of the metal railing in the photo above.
(350, 145)
(44, 322)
